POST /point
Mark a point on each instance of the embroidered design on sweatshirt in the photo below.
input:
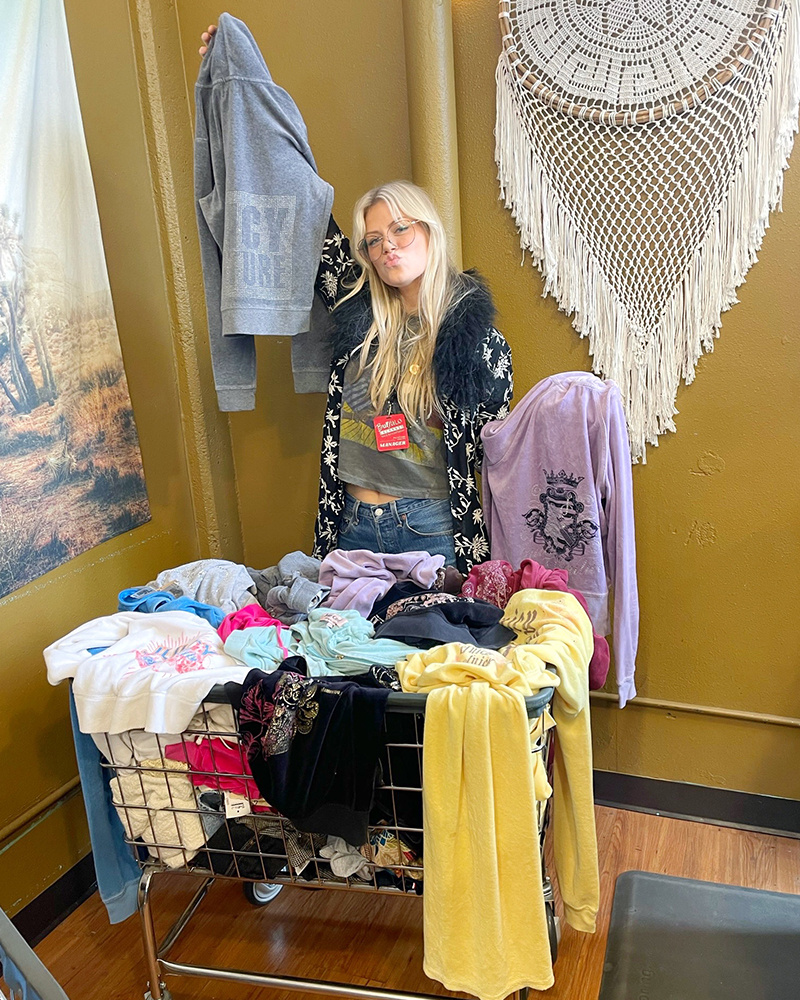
(417, 601)
(259, 235)
(178, 655)
(296, 707)
(556, 526)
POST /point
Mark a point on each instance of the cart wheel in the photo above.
(260, 893)
(165, 994)
(553, 930)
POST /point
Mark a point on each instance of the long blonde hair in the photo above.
(397, 346)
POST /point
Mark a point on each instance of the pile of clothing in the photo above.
(287, 774)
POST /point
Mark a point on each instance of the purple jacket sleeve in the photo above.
(621, 549)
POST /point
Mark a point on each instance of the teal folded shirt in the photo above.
(332, 642)
(258, 646)
(345, 641)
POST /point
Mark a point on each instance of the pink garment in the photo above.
(358, 577)
(248, 617)
(216, 765)
(496, 581)
(533, 576)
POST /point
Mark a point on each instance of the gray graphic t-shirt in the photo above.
(417, 472)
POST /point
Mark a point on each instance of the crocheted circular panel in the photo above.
(629, 55)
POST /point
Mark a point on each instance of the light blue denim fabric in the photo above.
(114, 864)
(403, 525)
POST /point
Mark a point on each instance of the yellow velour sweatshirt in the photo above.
(484, 918)
(552, 628)
(483, 911)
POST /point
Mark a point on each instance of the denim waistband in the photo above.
(394, 507)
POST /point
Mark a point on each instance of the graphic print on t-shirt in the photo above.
(418, 469)
(259, 229)
(181, 656)
(556, 525)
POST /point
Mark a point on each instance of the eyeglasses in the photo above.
(400, 234)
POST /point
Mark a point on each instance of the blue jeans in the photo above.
(403, 525)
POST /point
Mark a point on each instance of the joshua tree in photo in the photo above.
(15, 323)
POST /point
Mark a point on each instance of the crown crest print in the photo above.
(562, 478)
(557, 524)
(179, 655)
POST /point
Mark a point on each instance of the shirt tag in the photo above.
(236, 805)
(391, 433)
(331, 620)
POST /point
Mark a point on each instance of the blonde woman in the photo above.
(417, 370)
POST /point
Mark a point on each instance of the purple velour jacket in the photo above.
(557, 488)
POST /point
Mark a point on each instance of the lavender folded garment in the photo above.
(358, 577)
(148, 600)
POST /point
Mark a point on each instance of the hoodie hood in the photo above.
(233, 54)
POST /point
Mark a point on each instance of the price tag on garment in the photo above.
(331, 620)
(236, 805)
(391, 433)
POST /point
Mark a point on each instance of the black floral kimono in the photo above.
(474, 382)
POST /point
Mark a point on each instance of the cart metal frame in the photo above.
(404, 716)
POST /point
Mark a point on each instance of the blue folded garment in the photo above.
(148, 600)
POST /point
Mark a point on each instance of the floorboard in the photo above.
(355, 937)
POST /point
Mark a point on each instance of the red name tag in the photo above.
(391, 433)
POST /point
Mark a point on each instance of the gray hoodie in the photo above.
(262, 209)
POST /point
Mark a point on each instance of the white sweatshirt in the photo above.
(152, 675)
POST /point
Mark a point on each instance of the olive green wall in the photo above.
(42, 823)
(717, 513)
(716, 504)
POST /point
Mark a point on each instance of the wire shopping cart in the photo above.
(209, 822)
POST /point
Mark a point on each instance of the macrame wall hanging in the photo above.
(641, 146)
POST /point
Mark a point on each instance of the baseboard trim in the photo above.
(698, 803)
(44, 913)
(678, 799)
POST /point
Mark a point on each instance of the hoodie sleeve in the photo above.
(311, 352)
(621, 548)
(263, 209)
(233, 358)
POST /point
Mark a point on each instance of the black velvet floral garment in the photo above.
(474, 384)
(313, 744)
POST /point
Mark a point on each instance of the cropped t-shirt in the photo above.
(416, 472)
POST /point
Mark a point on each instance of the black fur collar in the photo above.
(461, 373)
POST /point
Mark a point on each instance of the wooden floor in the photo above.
(355, 937)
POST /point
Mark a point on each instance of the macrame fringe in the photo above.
(648, 367)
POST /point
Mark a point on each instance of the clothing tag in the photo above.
(332, 620)
(391, 433)
(236, 805)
